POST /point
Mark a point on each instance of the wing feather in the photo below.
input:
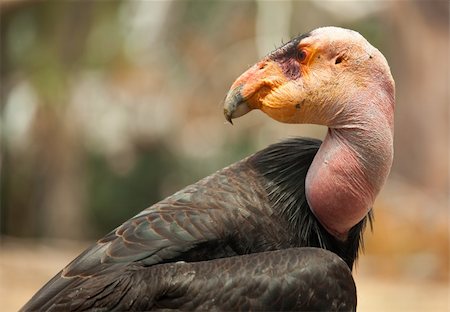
(296, 279)
(203, 213)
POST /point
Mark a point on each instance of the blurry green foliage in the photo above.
(115, 197)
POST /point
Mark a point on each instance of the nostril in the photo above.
(262, 66)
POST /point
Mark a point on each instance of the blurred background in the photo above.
(109, 106)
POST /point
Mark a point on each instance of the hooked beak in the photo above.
(235, 105)
(263, 86)
(250, 89)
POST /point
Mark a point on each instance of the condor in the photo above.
(279, 230)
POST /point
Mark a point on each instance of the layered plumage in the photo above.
(263, 281)
(253, 206)
(233, 241)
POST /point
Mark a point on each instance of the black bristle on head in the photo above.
(288, 49)
(287, 56)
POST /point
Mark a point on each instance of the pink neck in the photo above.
(350, 168)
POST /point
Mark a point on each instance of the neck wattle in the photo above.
(348, 172)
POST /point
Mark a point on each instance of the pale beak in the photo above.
(250, 89)
(235, 105)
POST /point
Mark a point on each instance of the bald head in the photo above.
(314, 78)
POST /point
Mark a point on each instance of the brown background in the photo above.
(109, 106)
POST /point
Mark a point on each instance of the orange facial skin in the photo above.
(275, 85)
(265, 86)
(315, 78)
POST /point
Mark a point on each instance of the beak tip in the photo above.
(235, 105)
(227, 115)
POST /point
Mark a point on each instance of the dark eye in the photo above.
(301, 55)
(338, 60)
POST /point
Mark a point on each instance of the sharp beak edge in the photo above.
(235, 105)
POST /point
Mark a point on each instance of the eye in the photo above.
(301, 55)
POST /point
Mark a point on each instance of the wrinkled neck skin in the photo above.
(352, 164)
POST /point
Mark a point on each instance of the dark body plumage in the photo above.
(253, 206)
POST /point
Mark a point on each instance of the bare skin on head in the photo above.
(331, 77)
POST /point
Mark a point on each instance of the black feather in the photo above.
(284, 166)
(256, 205)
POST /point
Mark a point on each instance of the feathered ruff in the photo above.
(284, 166)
